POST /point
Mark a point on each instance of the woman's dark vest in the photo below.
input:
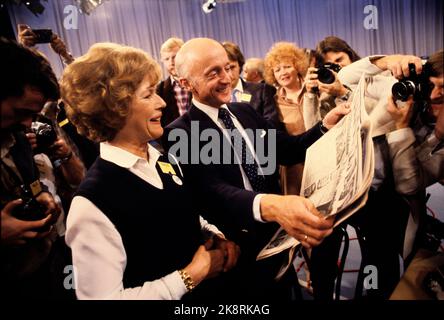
(159, 229)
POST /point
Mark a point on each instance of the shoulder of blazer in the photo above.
(250, 87)
(268, 87)
(164, 86)
(262, 87)
(182, 122)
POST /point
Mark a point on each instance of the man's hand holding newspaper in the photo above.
(297, 216)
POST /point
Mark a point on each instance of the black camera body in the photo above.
(432, 233)
(325, 74)
(43, 35)
(415, 84)
(30, 209)
(46, 136)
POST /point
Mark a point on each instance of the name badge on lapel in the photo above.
(166, 167)
(245, 97)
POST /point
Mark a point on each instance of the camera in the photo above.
(431, 233)
(417, 85)
(42, 35)
(30, 209)
(325, 74)
(45, 135)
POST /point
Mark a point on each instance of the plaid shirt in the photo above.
(183, 103)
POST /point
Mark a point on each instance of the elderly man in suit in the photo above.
(239, 195)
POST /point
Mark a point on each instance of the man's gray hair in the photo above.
(256, 64)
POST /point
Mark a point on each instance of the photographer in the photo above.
(323, 91)
(28, 212)
(416, 144)
(87, 150)
(323, 88)
(417, 153)
(64, 170)
(387, 239)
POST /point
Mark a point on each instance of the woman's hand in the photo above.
(207, 263)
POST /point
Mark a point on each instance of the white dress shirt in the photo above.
(237, 92)
(99, 257)
(213, 113)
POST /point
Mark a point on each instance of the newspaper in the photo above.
(338, 172)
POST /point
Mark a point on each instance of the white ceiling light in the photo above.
(209, 6)
(87, 6)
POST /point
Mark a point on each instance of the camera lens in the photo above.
(403, 89)
(325, 75)
(45, 135)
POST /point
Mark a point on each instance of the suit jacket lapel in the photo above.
(205, 121)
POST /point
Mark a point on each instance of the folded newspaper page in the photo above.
(337, 175)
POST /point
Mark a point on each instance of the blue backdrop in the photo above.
(403, 26)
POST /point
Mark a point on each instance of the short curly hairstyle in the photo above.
(97, 88)
(280, 52)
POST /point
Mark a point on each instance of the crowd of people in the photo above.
(89, 177)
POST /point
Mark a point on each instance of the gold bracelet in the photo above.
(189, 283)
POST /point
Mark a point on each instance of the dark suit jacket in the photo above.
(23, 157)
(219, 188)
(262, 100)
(171, 112)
